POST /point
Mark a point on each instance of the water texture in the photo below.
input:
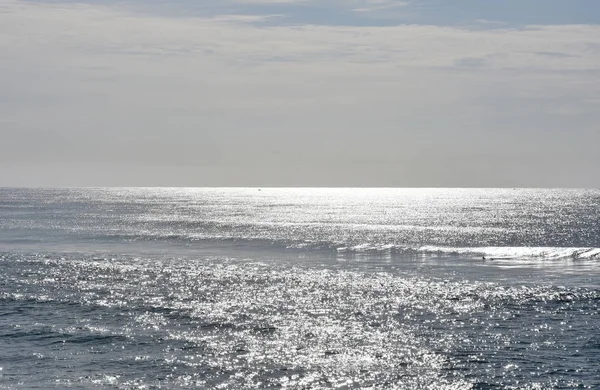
(299, 288)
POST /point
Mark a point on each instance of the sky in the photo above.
(357, 93)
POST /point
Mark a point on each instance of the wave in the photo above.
(519, 252)
(492, 253)
(148, 240)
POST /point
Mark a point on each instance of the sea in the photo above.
(299, 288)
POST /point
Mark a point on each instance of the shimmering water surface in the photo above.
(299, 288)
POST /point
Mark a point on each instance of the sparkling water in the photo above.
(299, 288)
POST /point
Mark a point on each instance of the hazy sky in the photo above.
(300, 93)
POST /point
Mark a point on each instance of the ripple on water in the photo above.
(128, 322)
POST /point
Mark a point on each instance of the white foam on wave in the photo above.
(489, 252)
(517, 252)
(370, 248)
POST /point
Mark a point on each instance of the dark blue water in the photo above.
(299, 288)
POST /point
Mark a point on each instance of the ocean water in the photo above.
(145, 288)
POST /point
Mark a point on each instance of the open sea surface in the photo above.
(145, 288)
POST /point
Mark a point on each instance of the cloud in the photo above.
(231, 96)
(378, 5)
(81, 28)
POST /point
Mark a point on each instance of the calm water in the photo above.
(299, 288)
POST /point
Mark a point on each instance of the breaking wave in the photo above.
(487, 252)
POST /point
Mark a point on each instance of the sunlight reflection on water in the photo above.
(236, 323)
(299, 288)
